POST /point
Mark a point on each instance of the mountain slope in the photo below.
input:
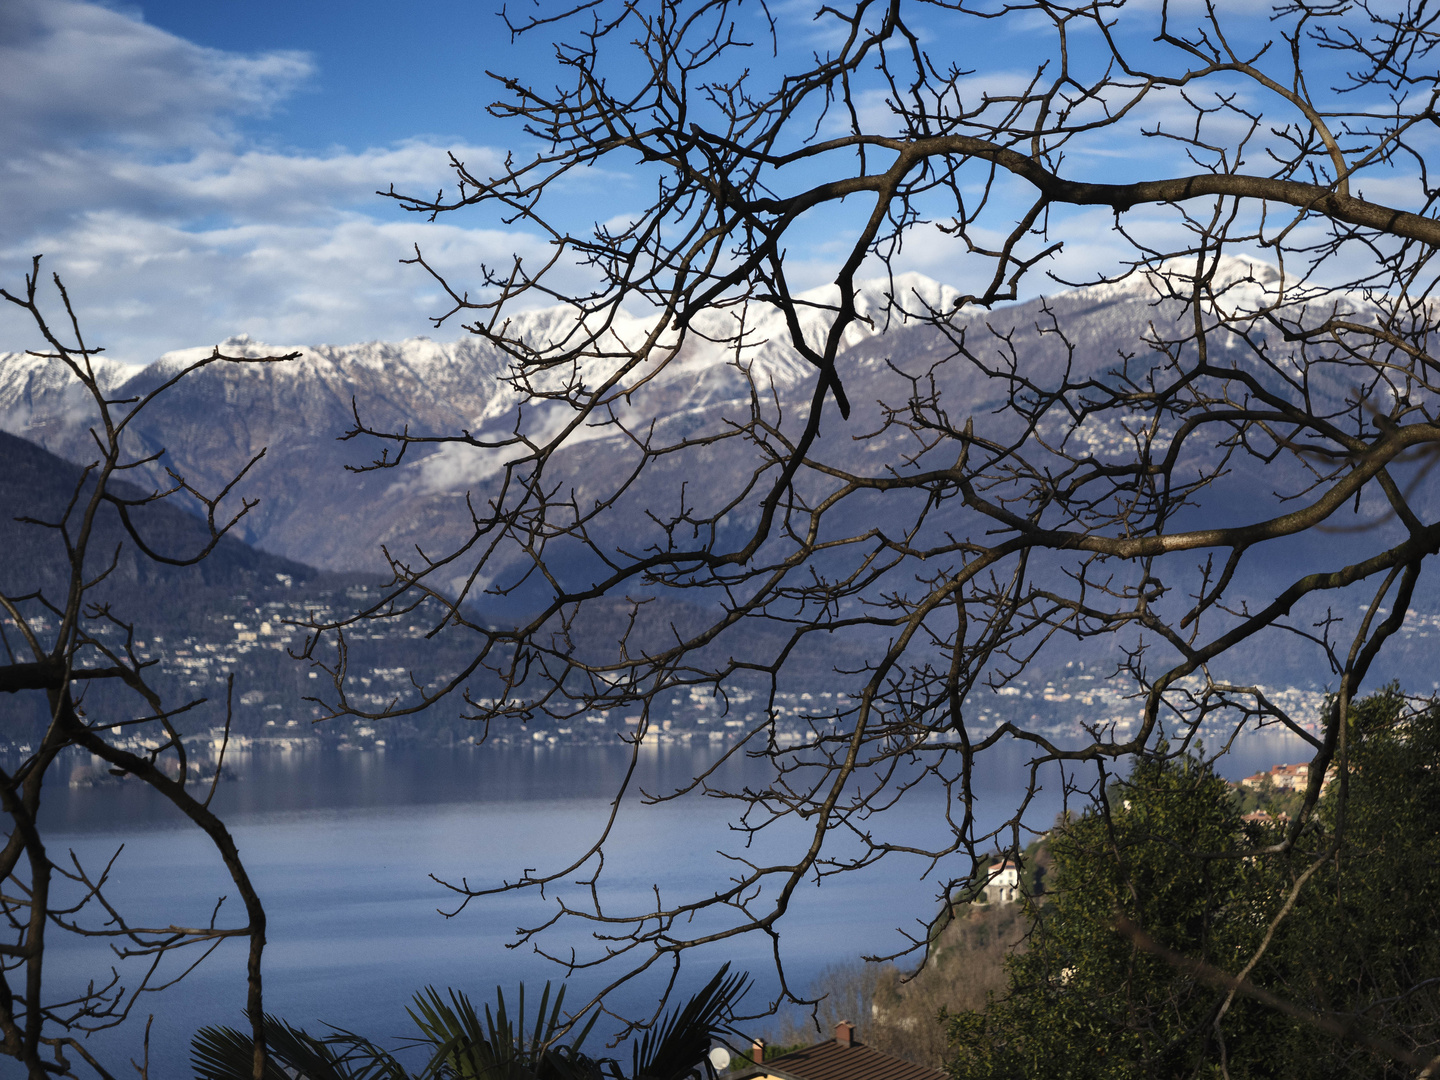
(313, 510)
(37, 484)
(213, 421)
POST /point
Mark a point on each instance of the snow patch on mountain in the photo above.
(723, 351)
(38, 392)
(1240, 283)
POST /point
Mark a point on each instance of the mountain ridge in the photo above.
(215, 420)
(312, 510)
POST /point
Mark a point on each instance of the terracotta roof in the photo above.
(830, 1060)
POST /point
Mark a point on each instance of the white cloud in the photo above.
(124, 165)
(77, 71)
(54, 186)
(144, 287)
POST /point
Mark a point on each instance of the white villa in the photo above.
(1004, 884)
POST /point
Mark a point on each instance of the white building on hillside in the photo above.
(1004, 884)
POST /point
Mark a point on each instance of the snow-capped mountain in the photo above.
(216, 419)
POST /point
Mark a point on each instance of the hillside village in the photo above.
(260, 634)
(259, 637)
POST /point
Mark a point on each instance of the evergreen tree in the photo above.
(1358, 954)
(1362, 947)
(1084, 1000)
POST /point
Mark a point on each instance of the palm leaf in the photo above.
(224, 1053)
(499, 1048)
(464, 1046)
(677, 1046)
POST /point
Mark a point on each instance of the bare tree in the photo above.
(66, 642)
(1246, 474)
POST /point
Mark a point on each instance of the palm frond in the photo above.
(677, 1046)
(461, 1045)
(500, 1047)
(224, 1053)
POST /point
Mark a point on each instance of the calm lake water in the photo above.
(341, 846)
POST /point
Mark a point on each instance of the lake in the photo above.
(341, 846)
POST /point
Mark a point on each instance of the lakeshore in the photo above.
(342, 846)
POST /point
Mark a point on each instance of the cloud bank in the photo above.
(127, 167)
(132, 163)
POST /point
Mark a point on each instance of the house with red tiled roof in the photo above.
(1286, 778)
(841, 1058)
(1264, 817)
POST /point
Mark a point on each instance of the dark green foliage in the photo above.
(226, 1054)
(1359, 949)
(1364, 941)
(1279, 803)
(461, 1045)
(1082, 994)
(680, 1041)
(773, 1052)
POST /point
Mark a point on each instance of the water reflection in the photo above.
(342, 846)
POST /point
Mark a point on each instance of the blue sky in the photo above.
(202, 169)
(383, 73)
(198, 170)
